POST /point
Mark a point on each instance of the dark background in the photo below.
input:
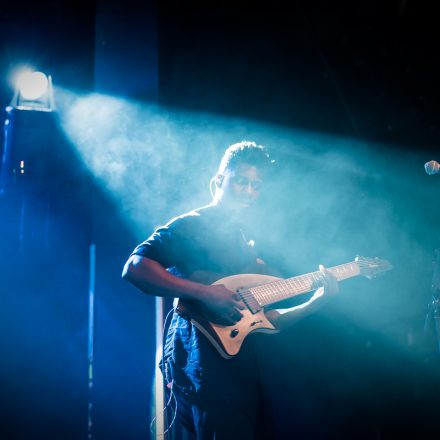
(366, 71)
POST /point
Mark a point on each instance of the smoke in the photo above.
(160, 160)
(333, 197)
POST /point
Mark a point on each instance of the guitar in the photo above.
(257, 292)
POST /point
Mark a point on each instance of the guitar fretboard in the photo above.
(271, 293)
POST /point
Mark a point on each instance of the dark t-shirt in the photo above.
(204, 240)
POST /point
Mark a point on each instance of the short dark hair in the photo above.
(247, 152)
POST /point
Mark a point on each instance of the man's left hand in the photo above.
(329, 281)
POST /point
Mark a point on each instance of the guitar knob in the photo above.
(234, 333)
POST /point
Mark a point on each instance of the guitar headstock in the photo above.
(371, 267)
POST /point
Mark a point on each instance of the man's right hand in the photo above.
(148, 275)
(224, 304)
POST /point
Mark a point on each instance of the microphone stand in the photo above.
(434, 305)
(433, 314)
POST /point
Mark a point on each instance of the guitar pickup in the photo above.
(249, 300)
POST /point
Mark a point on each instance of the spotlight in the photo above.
(33, 91)
(32, 85)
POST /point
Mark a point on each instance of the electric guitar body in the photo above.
(229, 339)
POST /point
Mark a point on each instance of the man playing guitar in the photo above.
(217, 394)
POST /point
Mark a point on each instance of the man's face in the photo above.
(241, 187)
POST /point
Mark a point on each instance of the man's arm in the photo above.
(151, 277)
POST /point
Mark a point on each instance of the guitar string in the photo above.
(281, 289)
(301, 284)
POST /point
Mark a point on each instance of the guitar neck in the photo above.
(271, 293)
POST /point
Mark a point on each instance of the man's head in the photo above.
(240, 176)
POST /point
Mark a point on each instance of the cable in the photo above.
(166, 384)
(163, 343)
(174, 412)
(165, 409)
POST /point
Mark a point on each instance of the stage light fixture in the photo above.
(32, 85)
(33, 91)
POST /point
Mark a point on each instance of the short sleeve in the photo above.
(168, 244)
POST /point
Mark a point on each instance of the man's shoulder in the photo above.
(194, 217)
